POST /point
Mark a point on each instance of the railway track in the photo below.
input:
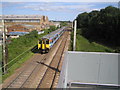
(35, 74)
(48, 80)
(24, 75)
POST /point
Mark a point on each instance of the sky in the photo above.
(63, 10)
(59, 0)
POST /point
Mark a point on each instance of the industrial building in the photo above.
(25, 23)
(39, 21)
(25, 18)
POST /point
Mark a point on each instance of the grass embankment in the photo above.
(0, 53)
(16, 48)
(0, 64)
(22, 48)
(82, 44)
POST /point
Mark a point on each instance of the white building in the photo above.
(57, 24)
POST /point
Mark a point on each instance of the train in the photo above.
(46, 42)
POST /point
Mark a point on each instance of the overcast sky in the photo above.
(54, 10)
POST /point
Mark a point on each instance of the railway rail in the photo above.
(47, 80)
(24, 75)
(42, 67)
(42, 71)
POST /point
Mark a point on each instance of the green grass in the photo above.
(82, 44)
(0, 53)
(0, 64)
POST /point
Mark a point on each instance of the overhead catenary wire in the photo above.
(16, 57)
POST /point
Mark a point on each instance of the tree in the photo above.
(52, 28)
(101, 26)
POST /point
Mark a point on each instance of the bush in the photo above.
(21, 44)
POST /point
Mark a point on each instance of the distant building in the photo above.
(57, 24)
(40, 32)
(14, 36)
(119, 4)
(17, 28)
(24, 18)
(39, 21)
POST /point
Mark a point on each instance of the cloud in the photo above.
(59, 7)
(60, 0)
(55, 10)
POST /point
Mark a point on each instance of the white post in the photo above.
(4, 51)
(74, 42)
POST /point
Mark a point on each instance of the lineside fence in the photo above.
(16, 59)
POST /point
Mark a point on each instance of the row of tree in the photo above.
(102, 26)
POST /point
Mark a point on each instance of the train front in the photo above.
(43, 45)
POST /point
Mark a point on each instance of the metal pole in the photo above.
(72, 24)
(4, 39)
(74, 42)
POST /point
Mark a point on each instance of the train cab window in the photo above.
(40, 42)
(44, 42)
(47, 41)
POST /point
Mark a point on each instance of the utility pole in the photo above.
(72, 24)
(74, 42)
(4, 48)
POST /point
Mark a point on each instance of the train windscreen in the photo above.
(40, 41)
(47, 41)
(44, 42)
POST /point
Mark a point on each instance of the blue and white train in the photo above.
(46, 42)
